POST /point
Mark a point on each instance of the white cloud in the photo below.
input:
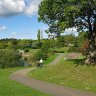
(11, 7)
(71, 31)
(44, 34)
(2, 28)
(32, 8)
(14, 33)
(14, 7)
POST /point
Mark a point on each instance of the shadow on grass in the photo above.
(81, 62)
(78, 62)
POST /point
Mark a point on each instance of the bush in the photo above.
(3, 45)
(44, 53)
(35, 45)
(26, 50)
(46, 46)
(39, 44)
(37, 56)
(10, 58)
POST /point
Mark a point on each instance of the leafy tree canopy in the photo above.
(71, 13)
(68, 13)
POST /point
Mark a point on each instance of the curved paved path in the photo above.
(49, 88)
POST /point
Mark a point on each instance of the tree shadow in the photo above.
(79, 62)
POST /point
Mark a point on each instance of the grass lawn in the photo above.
(61, 50)
(11, 88)
(68, 73)
(33, 50)
(50, 59)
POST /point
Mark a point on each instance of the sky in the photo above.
(19, 19)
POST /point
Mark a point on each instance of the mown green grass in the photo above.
(50, 59)
(34, 50)
(61, 50)
(68, 73)
(11, 88)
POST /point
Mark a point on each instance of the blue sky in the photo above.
(21, 26)
(20, 20)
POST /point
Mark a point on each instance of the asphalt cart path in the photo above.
(45, 87)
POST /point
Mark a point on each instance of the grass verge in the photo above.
(68, 73)
(11, 88)
(50, 59)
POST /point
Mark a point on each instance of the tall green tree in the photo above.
(39, 36)
(49, 16)
(72, 13)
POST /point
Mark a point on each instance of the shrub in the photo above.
(10, 58)
(39, 44)
(46, 46)
(37, 56)
(26, 50)
(44, 53)
(35, 45)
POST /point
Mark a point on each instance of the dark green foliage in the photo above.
(44, 52)
(15, 44)
(76, 44)
(35, 45)
(39, 35)
(26, 50)
(39, 39)
(39, 44)
(61, 41)
(46, 46)
(51, 17)
(80, 14)
(24, 44)
(82, 37)
(3, 45)
(10, 58)
(40, 55)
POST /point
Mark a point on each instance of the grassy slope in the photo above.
(66, 73)
(50, 59)
(11, 88)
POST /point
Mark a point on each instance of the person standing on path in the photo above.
(41, 62)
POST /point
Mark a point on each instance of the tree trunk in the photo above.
(91, 56)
